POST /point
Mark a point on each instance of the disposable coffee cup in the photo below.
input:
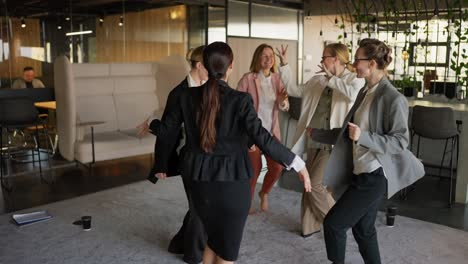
(86, 222)
(392, 210)
(390, 220)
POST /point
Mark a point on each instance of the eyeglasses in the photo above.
(363, 59)
(328, 56)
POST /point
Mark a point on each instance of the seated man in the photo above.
(28, 80)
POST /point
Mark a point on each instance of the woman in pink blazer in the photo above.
(263, 83)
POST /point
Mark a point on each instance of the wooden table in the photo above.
(50, 105)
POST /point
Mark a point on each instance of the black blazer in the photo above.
(237, 121)
(170, 162)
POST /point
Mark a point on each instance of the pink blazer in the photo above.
(250, 83)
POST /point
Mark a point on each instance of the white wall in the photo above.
(314, 43)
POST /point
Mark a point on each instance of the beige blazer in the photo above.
(345, 89)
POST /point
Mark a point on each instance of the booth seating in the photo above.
(100, 105)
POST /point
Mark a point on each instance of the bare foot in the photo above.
(252, 210)
(263, 201)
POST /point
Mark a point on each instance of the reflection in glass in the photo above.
(216, 24)
(35, 53)
(274, 22)
(196, 25)
(238, 19)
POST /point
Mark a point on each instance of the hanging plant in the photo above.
(460, 67)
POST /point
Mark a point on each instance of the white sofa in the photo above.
(121, 95)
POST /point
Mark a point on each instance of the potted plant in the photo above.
(407, 85)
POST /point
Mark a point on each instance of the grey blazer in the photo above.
(387, 138)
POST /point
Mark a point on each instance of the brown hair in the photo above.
(217, 57)
(255, 65)
(340, 51)
(195, 55)
(378, 51)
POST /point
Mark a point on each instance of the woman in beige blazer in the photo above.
(326, 98)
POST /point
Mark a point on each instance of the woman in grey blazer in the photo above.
(370, 156)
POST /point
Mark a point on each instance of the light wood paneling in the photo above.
(21, 37)
(146, 36)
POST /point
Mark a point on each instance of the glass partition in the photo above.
(216, 24)
(274, 22)
(33, 35)
(238, 19)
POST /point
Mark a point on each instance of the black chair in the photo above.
(423, 123)
(17, 113)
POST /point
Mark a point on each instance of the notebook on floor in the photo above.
(29, 218)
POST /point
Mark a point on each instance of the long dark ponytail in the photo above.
(217, 57)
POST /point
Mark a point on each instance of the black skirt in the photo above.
(223, 207)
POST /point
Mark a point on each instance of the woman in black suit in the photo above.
(219, 121)
(190, 240)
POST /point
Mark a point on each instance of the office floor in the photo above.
(427, 201)
(133, 224)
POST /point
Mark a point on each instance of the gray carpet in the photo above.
(133, 224)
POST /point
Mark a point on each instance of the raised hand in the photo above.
(283, 96)
(282, 54)
(323, 69)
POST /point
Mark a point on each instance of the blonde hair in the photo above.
(255, 65)
(340, 51)
(195, 55)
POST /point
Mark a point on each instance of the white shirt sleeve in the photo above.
(349, 85)
(297, 164)
(286, 77)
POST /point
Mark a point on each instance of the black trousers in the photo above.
(356, 209)
(190, 240)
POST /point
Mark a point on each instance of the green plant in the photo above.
(458, 62)
(406, 82)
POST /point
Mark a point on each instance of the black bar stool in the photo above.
(438, 123)
(18, 113)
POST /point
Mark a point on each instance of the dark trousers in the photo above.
(356, 209)
(191, 238)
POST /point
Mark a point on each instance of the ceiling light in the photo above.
(23, 23)
(79, 33)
